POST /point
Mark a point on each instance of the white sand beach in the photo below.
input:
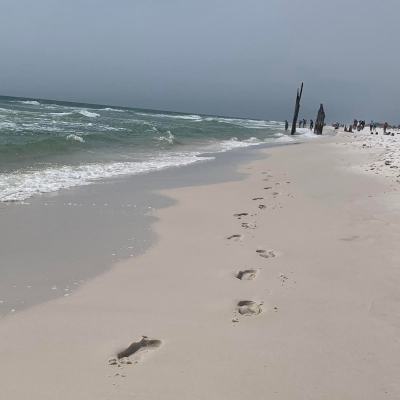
(317, 317)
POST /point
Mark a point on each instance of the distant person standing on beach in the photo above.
(385, 126)
(286, 125)
(311, 124)
(304, 123)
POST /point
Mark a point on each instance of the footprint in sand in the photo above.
(283, 278)
(235, 237)
(240, 215)
(258, 198)
(249, 308)
(247, 274)
(267, 253)
(248, 225)
(266, 173)
(268, 187)
(262, 206)
(350, 238)
(134, 349)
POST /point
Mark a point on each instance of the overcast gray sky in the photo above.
(229, 57)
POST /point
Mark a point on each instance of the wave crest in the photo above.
(76, 138)
(111, 109)
(29, 102)
(22, 185)
(170, 138)
(88, 114)
(235, 143)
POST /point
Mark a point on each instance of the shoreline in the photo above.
(102, 224)
(328, 322)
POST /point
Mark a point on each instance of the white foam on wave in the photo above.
(29, 102)
(88, 114)
(76, 138)
(169, 138)
(192, 117)
(108, 128)
(34, 126)
(280, 138)
(301, 134)
(60, 114)
(241, 122)
(85, 113)
(245, 123)
(306, 133)
(234, 143)
(8, 111)
(22, 185)
(283, 139)
(8, 125)
(111, 109)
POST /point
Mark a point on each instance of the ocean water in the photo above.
(48, 145)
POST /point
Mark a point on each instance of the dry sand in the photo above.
(317, 318)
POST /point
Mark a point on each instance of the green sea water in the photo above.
(49, 145)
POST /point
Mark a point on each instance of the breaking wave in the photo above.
(58, 145)
(21, 186)
(169, 138)
(111, 109)
(88, 114)
(76, 138)
(30, 102)
(235, 143)
(173, 116)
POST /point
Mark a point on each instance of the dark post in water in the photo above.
(319, 122)
(296, 109)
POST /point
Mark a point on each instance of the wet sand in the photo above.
(52, 244)
(281, 285)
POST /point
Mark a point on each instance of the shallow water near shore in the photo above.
(48, 145)
(53, 243)
(78, 184)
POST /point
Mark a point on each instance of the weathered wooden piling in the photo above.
(296, 109)
(319, 122)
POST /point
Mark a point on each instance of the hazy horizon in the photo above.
(219, 57)
(39, 99)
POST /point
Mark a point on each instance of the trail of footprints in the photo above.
(134, 353)
(246, 308)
